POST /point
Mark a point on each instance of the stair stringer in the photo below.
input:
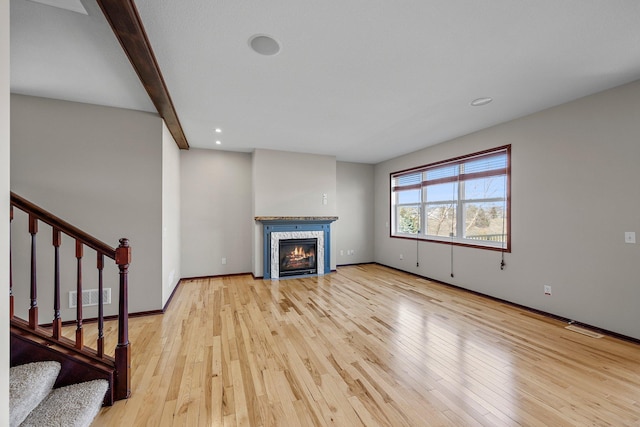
(29, 346)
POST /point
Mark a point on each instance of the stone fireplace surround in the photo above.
(276, 228)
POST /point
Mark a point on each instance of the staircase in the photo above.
(34, 402)
(34, 341)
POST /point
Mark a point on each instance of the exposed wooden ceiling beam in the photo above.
(127, 26)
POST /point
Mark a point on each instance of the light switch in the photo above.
(629, 236)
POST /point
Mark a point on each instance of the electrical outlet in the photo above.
(224, 261)
(401, 256)
(629, 236)
(547, 290)
(341, 252)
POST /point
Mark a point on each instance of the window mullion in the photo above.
(459, 204)
(423, 207)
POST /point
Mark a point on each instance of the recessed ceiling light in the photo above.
(218, 130)
(264, 45)
(218, 142)
(481, 101)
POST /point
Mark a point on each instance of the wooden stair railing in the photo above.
(121, 363)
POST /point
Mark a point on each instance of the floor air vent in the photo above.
(584, 331)
(89, 297)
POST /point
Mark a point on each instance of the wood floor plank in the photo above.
(366, 345)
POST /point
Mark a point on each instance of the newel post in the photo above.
(123, 350)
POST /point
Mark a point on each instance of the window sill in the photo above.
(469, 243)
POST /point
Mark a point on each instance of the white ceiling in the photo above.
(362, 80)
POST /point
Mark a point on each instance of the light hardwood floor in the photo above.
(370, 346)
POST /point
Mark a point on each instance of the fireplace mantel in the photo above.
(318, 219)
(275, 227)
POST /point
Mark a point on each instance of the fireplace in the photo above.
(308, 230)
(297, 257)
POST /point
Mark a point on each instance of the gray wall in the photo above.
(171, 268)
(4, 214)
(218, 202)
(353, 232)
(574, 193)
(99, 168)
(215, 212)
(291, 184)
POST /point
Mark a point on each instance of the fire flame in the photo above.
(299, 252)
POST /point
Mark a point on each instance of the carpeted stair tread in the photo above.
(29, 384)
(75, 405)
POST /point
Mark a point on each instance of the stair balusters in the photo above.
(122, 258)
(33, 308)
(79, 332)
(100, 342)
(57, 320)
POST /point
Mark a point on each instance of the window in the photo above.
(463, 201)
